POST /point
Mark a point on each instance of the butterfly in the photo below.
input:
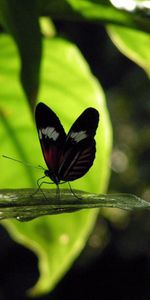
(67, 156)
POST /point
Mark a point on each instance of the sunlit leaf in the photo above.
(105, 12)
(21, 20)
(132, 43)
(68, 87)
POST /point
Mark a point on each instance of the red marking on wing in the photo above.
(51, 157)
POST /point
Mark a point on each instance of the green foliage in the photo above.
(104, 11)
(68, 87)
(20, 18)
(132, 43)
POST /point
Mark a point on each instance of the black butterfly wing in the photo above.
(79, 150)
(51, 135)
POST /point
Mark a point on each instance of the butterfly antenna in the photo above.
(23, 163)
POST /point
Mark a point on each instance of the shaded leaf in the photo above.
(20, 19)
(24, 205)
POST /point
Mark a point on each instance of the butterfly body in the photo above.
(52, 175)
(70, 156)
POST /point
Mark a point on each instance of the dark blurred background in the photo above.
(116, 261)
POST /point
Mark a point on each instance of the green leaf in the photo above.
(20, 19)
(68, 87)
(25, 205)
(132, 43)
(103, 11)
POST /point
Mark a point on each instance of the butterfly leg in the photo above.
(39, 185)
(58, 193)
(73, 193)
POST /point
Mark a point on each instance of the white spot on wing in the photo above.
(49, 132)
(78, 136)
(40, 134)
